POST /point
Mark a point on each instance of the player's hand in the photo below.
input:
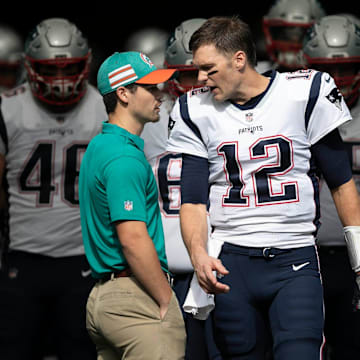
(205, 266)
(356, 297)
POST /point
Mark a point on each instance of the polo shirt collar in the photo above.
(117, 130)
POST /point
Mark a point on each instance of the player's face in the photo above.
(146, 103)
(216, 71)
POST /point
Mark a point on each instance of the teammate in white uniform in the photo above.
(251, 140)
(167, 170)
(45, 126)
(333, 45)
(285, 26)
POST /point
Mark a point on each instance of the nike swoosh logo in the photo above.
(298, 267)
(85, 273)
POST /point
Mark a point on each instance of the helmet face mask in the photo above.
(178, 56)
(333, 46)
(186, 80)
(57, 60)
(58, 82)
(285, 27)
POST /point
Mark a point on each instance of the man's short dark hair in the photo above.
(228, 35)
(111, 99)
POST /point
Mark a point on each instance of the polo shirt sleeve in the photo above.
(125, 180)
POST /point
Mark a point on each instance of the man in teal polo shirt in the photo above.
(132, 312)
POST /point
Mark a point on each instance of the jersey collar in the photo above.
(117, 130)
(252, 103)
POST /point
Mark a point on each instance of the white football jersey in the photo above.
(43, 152)
(263, 190)
(167, 170)
(331, 230)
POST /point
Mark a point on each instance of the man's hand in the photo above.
(205, 266)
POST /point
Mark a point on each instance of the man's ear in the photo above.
(122, 93)
(240, 60)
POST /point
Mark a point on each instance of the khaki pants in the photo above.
(124, 323)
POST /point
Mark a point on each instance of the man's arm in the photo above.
(193, 221)
(347, 202)
(346, 199)
(332, 159)
(142, 258)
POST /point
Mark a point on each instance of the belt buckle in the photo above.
(267, 253)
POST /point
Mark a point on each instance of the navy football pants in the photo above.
(275, 292)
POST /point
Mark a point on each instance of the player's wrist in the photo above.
(352, 239)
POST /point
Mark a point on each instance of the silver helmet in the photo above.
(285, 26)
(57, 59)
(11, 49)
(333, 45)
(150, 41)
(178, 55)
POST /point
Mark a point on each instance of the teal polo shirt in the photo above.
(116, 183)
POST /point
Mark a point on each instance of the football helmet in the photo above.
(333, 45)
(285, 27)
(11, 49)
(150, 41)
(57, 60)
(178, 56)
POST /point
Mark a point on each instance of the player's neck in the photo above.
(253, 84)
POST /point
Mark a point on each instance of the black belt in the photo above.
(266, 252)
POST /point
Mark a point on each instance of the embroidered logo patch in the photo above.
(128, 205)
(335, 98)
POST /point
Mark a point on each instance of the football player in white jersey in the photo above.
(251, 142)
(167, 170)
(45, 126)
(333, 46)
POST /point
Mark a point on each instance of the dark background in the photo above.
(107, 24)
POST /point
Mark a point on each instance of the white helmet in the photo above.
(57, 59)
(333, 45)
(285, 26)
(150, 41)
(179, 56)
(11, 49)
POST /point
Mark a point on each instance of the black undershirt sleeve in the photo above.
(194, 179)
(332, 159)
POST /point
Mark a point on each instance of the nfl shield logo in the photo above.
(249, 117)
(128, 205)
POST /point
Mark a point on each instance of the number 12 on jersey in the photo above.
(263, 176)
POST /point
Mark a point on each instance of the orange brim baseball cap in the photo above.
(157, 76)
(122, 69)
